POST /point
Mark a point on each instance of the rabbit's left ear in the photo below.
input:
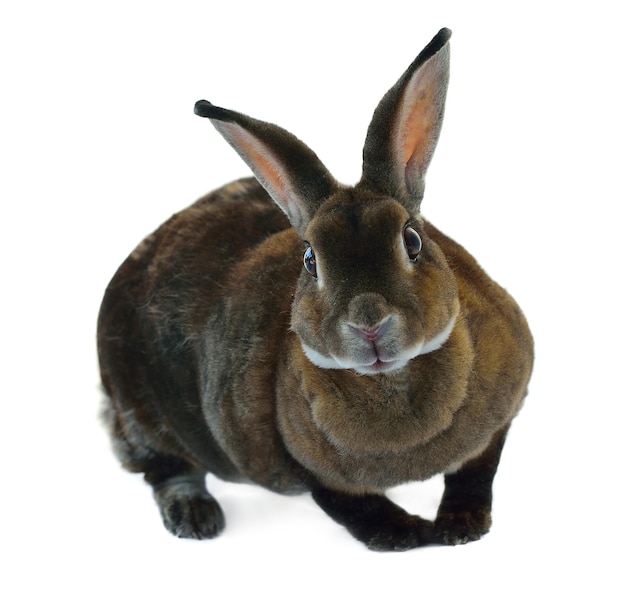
(289, 170)
(405, 128)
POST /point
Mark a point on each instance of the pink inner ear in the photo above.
(257, 156)
(417, 124)
(264, 165)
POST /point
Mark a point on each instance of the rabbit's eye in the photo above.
(309, 262)
(412, 242)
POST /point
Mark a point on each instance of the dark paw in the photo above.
(374, 520)
(399, 537)
(188, 513)
(461, 528)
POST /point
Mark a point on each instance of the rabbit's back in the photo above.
(152, 316)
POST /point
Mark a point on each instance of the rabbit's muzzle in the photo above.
(381, 347)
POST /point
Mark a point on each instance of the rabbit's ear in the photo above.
(405, 127)
(289, 170)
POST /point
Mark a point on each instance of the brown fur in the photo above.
(220, 353)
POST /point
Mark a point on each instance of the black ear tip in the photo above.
(444, 35)
(438, 41)
(436, 44)
(203, 108)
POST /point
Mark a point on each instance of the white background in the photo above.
(99, 144)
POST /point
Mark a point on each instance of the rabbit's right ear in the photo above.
(405, 127)
(289, 170)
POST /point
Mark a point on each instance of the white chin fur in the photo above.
(440, 339)
(319, 360)
(328, 362)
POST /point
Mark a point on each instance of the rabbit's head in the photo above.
(375, 291)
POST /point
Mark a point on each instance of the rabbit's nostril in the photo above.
(371, 334)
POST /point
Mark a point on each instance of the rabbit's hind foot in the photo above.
(187, 508)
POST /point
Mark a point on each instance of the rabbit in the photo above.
(289, 331)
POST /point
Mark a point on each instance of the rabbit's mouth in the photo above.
(380, 367)
(376, 367)
(399, 359)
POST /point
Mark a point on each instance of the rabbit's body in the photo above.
(394, 359)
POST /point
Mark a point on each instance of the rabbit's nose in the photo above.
(371, 333)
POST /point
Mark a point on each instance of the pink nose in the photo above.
(372, 334)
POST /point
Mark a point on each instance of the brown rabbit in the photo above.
(390, 356)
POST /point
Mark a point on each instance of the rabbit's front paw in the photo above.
(452, 529)
(189, 512)
(374, 520)
(399, 536)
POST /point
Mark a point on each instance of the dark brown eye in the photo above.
(309, 262)
(412, 242)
